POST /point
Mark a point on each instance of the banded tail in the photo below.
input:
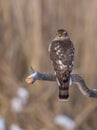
(63, 91)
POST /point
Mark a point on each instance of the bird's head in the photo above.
(62, 34)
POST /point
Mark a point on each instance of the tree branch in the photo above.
(75, 79)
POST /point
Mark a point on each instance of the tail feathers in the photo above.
(63, 91)
(63, 95)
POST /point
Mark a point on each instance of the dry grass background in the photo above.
(26, 29)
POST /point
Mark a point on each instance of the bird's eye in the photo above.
(65, 33)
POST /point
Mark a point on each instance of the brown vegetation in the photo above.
(26, 29)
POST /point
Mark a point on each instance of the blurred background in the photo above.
(26, 29)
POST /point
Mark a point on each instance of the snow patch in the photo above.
(23, 95)
(15, 127)
(20, 100)
(2, 123)
(64, 121)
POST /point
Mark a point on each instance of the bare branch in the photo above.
(39, 76)
(75, 78)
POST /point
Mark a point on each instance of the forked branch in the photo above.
(75, 78)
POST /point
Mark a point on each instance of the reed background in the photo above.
(26, 29)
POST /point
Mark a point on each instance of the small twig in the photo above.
(32, 70)
(75, 78)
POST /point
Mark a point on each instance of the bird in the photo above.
(61, 51)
